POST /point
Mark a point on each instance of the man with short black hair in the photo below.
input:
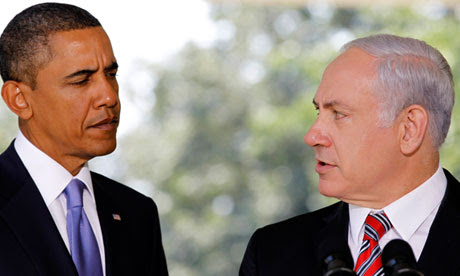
(56, 216)
(384, 109)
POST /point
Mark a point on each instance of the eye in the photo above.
(317, 110)
(112, 74)
(81, 82)
(338, 115)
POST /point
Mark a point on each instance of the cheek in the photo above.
(72, 118)
(373, 154)
(80, 109)
(357, 147)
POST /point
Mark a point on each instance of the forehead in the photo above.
(349, 78)
(81, 47)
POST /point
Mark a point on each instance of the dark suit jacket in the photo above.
(30, 243)
(292, 247)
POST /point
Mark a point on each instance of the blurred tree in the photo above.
(8, 125)
(222, 151)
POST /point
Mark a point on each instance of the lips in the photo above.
(110, 123)
(322, 167)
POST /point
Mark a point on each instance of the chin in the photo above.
(330, 189)
(104, 149)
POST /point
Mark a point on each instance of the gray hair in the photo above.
(411, 72)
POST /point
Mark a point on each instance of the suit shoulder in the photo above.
(302, 223)
(289, 247)
(119, 191)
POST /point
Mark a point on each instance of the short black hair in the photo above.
(24, 45)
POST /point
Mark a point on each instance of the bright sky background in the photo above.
(147, 30)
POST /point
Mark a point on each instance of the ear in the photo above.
(413, 127)
(14, 95)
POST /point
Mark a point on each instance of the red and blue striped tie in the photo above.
(369, 261)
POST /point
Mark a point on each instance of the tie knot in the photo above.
(376, 226)
(74, 193)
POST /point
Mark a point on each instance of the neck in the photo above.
(409, 176)
(72, 164)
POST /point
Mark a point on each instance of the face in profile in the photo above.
(354, 153)
(75, 102)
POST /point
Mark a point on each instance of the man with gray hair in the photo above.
(384, 108)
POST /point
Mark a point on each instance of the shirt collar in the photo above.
(357, 218)
(50, 177)
(401, 212)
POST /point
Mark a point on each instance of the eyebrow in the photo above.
(89, 72)
(331, 104)
(314, 103)
(85, 72)
(111, 67)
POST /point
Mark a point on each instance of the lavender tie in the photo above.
(83, 245)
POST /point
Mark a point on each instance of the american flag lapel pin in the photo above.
(116, 217)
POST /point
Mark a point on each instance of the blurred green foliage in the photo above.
(221, 150)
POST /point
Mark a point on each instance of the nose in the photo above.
(316, 136)
(107, 93)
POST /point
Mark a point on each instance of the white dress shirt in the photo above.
(51, 180)
(411, 216)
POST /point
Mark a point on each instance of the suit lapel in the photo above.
(440, 254)
(24, 211)
(111, 229)
(333, 236)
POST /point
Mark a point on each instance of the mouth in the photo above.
(322, 167)
(109, 124)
